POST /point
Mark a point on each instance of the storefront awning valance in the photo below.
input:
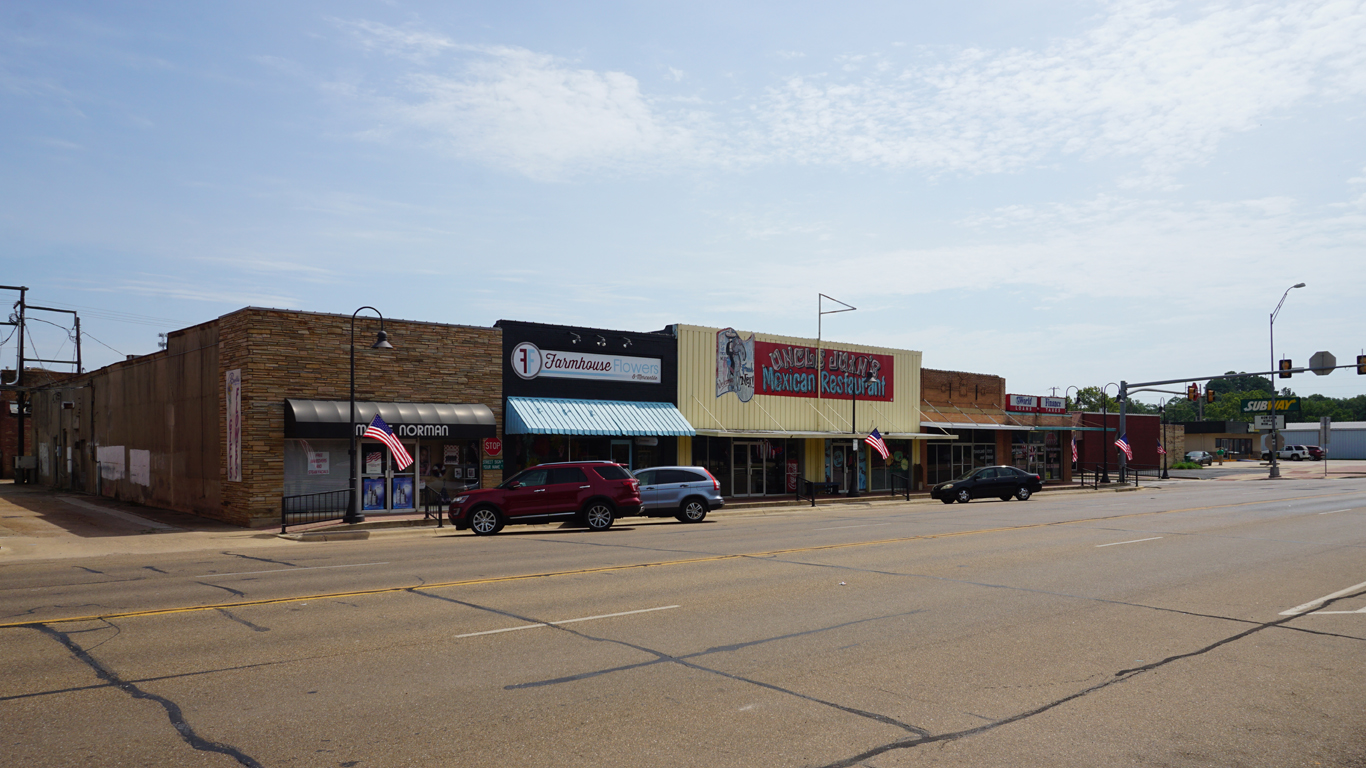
(970, 425)
(323, 419)
(556, 416)
(777, 435)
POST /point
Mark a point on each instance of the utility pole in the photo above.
(19, 369)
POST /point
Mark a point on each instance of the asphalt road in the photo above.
(1198, 624)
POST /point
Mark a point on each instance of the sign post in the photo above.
(1325, 436)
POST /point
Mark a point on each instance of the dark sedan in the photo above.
(987, 482)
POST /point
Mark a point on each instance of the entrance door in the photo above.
(747, 468)
(621, 452)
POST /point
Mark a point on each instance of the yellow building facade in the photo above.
(771, 411)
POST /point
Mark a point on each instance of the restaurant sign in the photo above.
(1256, 405)
(750, 367)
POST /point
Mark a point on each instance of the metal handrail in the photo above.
(313, 507)
(904, 478)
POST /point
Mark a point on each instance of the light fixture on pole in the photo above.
(353, 513)
(1275, 433)
(1162, 411)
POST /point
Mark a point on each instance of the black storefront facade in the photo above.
(574, 393)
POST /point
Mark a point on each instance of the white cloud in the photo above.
(529, 112)
(1143, 83)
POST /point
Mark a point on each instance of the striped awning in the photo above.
(555, 416)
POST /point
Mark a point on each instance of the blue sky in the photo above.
(1061, 193)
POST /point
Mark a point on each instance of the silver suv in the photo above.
(686, 493)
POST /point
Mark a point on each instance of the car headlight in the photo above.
(459, 499)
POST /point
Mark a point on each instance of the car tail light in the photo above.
(715, 486)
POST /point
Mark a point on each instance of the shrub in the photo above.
(1185, 465)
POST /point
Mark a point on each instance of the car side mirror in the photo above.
(515, 484)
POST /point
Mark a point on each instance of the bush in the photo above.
(1185, 465)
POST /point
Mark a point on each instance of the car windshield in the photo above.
(969, 473)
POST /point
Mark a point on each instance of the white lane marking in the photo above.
(565, 621)
(1334, 512)
(838, 527)
(284, 570)
(1135, 541)
(124, 516)
(1329, 613)
(1322, 600)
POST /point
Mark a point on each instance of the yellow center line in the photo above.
(632, 566)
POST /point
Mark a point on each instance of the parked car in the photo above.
(594, 493)
(1203, 458)
(1001, 482)
(686, 493)
(1315, 452)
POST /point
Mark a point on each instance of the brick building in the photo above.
(988, 427)
(241, 410)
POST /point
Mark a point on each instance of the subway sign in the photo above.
(1270, 405)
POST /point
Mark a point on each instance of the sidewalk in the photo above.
(39, 523)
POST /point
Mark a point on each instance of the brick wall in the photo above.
(304, 355)
(979, 390)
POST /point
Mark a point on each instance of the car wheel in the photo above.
(485, 521)
(598, 516)
(692, 511)
(1023, 493)
(1005, 497)
(1296, 457)
(947, 499)
(964, 496)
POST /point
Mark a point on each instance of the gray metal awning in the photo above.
(323, 419)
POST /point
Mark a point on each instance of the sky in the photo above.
(1063, 193)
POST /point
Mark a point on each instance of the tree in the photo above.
(1240, 383)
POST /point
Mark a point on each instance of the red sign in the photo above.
(788, 371)
(792, 474)
(493, 446)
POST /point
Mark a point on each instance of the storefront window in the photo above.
(945, 461)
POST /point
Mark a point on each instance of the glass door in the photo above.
(747, 468)
(382, 486)
(621, 452)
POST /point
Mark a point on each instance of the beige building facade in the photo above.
(772, 411)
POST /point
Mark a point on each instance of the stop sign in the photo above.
(492, 446)
(1322, 363)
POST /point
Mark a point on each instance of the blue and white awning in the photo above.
(555, 416)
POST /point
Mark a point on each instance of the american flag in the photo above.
(381, 432)
(1123, 445)
(1160, 449)
(878, 444)
(1074, 450)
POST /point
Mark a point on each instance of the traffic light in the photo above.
(1285, 366)
(1361, 365)
(1209, 395)
(1193, 392)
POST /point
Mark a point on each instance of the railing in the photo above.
(904, 480)
(810, 490)
(1134, 474)
(313, 507)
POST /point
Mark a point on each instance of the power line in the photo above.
(86, 334)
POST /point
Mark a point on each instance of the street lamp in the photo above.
(1162, 412)
(1105, 432)
(353, 513)
(1275, 433)
(853, 427)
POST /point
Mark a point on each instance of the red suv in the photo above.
(592, 492)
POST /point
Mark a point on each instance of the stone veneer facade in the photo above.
(286, 354)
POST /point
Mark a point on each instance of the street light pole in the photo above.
(1275, 433)
(853, 428)
(353, 513)
(1162, 410)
